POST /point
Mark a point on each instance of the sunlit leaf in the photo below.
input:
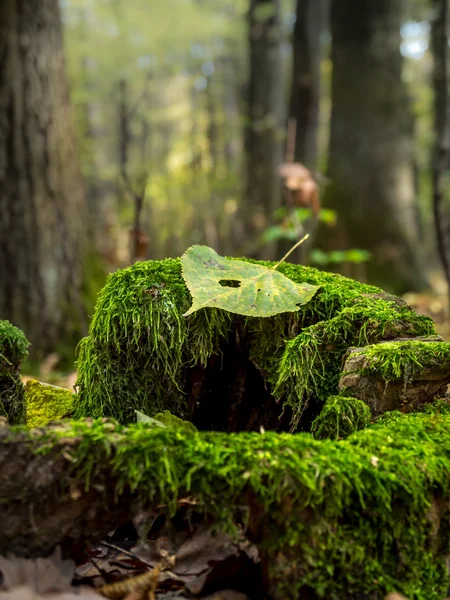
(240, 287)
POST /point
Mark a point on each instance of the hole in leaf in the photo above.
(233, 283)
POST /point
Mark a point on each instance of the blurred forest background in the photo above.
(132, 129)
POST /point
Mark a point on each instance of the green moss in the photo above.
(441, 406)
(345, 519)
(13, 350)
(403, 360)
(139, 343)
(339, 417)
(311, 363)
(13, 345)
(170, 420)
(140, 348)
(46, 403)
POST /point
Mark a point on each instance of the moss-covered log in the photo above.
(348, 519)
(13, 350)
(223, 371)
(398, 375)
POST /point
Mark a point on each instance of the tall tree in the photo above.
(441, 163)
(305, 91)
(371, 145)
(264, 140)
(42, 205)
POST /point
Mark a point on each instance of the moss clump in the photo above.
(141, 351)
(311, 363)
(342, 519)
(139, 343)
(405, 359)
(46, 403)
(339, 417)
(13, 350)
(170, 420)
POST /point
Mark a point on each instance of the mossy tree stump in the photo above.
(223, 371)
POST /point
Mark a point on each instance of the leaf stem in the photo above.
(304, 238)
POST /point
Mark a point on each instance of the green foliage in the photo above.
(339, 417)
(346, 519)
(240, 287)
(13, 350)
(45, 403)
(336, 257)
(289, 227)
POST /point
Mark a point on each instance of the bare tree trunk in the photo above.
(441, 163)
(212, 130)
(305, 91)
(266, 115)
(42, 205)
(371, 148)
(124, 128)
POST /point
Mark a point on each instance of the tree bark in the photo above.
(441, 163)
(305, 91)
(371, 146)
(42, 204)
(265, 117)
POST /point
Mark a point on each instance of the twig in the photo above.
(291, 251)
(127, 553)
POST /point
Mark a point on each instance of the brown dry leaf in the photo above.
(303, 187)
(146, 583)
(294, 174)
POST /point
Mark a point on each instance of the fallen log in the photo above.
(372, 508)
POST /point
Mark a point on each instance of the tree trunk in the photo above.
(371, 146)
(305, 91)
(42, 204)
(265, 116)
(441, 163)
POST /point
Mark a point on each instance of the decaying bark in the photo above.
(40, 509)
